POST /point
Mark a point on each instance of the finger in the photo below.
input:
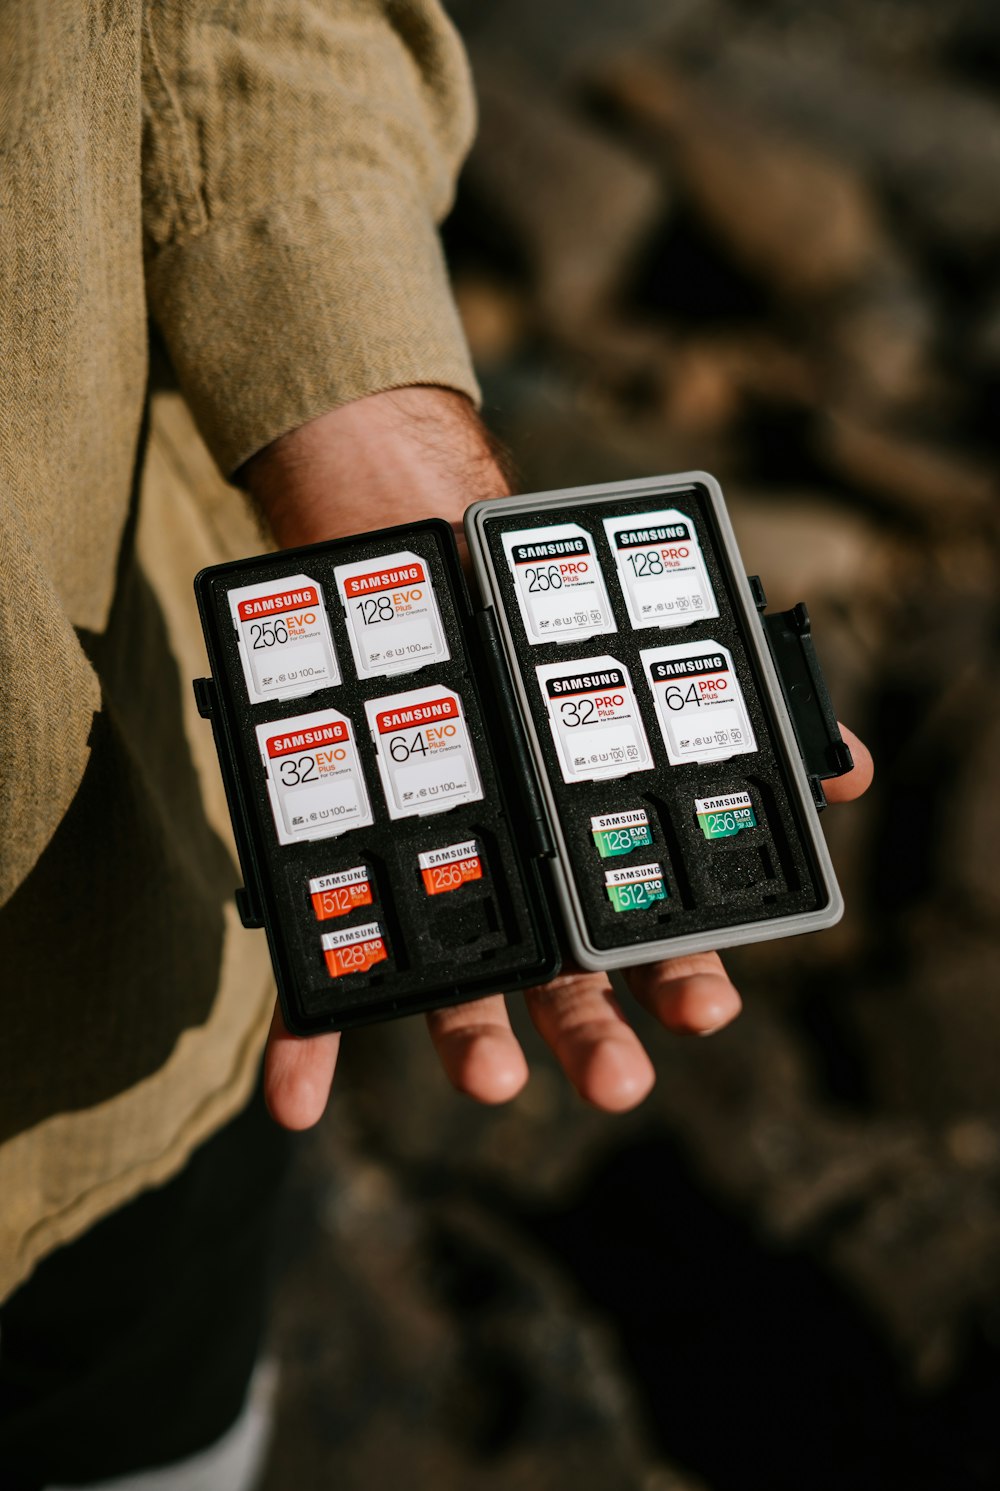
(856, 781)
(578, 1017)
(478, 1050)
(298, 1074)
(693, 995)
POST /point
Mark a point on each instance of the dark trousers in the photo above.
(133, 1346)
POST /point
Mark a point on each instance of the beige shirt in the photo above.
(263, 179)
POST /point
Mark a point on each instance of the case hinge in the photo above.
(247, 897)
(539, 838)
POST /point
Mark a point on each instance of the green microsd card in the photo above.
(635, 888)
(620, 833)
(721, 817)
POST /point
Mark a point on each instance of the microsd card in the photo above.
(661, 568)
(284, 636)
(721, 817)
(636, 887)
(339, 894)
(620, 833)
(699, 702)
(353, 949)
(594, 719)
(559, 584)
(425, 756)
(451, 867)
(392, 614)
(314, 777)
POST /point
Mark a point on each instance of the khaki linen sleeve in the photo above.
(297, 158)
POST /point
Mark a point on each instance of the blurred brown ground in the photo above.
(759, 239)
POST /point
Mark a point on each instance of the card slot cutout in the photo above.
(473, 919)
(610, 928)
(308, 932)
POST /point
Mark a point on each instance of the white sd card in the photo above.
(661, 568)
(392, 614)
(559, 584)
(314, 777)
(284, 634)
(594, 719)
(425, 756)
(699, 702)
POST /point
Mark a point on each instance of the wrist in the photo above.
(393, 457)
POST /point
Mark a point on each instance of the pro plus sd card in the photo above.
(559, 585)
(699, 702)
(661, 568)
(594, 719)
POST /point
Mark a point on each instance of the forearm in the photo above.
(390, 458)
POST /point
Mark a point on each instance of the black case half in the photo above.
(491, 933)
(538, 858)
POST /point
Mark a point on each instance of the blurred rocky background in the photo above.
(760, 238)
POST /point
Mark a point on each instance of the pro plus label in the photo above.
(354, 950)
(450, 867)
(699, 702)
(594, 719)
(559, 584)
(393, 620)
(661, 568)
(425, 757)
(314, 778)
(284, 638)
(339, 894)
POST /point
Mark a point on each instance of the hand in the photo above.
(394, 458)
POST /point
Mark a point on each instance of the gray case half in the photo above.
(662, 490)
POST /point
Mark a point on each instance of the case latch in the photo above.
(824, 751)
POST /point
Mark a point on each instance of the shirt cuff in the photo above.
(273, 320)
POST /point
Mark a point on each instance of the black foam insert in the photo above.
(488, 934)
(758, 874)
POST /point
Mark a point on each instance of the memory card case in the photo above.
(611, 756)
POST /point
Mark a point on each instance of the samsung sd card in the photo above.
(722, 817)
(425, 756)
(392, 614)
(450, 867)
(559, 584)
(636, 887)
(620, 833)
(284, 636)
(594, 719)
(314, 777)
(354, 949)
(340, 893)
(661, 568)
(699, 702)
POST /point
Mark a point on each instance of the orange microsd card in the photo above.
(354, 950)
(336, 895)
(447, 869)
